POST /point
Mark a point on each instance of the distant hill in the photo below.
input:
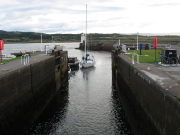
(34, 37)
(25, 37)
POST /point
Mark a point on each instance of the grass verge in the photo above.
(147, 56)
(4, 61)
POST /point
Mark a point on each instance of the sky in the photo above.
(103, 16)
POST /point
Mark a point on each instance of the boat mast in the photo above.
(86, 32)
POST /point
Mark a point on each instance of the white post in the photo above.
(41, 42)
(119, 42)
(21, 59)
(137, 40)
(24, 60)
(28, 59)
(133, 59)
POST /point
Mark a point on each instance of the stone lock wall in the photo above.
(61, 68)
(24, 93)
(64, 66)
(150, 110)
(97, 46)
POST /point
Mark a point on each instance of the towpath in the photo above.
(16, 64)
(166, 76)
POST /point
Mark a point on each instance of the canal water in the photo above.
(87, 105)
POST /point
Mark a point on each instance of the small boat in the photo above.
(86, 61)
(73, 62)
(6, 56)
(17, 54)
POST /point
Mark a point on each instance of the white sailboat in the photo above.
(87, 61)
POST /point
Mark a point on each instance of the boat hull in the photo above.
(87, 64)
(73, 62)
(76, 64)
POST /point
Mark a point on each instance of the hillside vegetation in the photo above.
(33, 37)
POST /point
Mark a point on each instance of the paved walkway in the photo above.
(166, 76)
(16, 64)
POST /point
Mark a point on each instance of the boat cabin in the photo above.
(73, 61)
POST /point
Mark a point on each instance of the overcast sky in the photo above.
(104, 16)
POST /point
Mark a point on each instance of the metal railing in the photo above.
(134, 45)
(26, 59)
(133, 58)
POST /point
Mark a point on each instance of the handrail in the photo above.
(133, 58)
(150, 45)
(26, 59)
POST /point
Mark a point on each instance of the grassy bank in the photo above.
(8, 60)
(147, 56)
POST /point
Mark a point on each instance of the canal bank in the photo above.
(25, 90)
(150, 98)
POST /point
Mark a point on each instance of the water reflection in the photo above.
(87, 71)
(118, 116)
(53, 116)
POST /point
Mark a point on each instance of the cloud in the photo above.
(164, 4)
(103, 16)
(110, 8)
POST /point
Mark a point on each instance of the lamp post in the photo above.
(137, 40)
